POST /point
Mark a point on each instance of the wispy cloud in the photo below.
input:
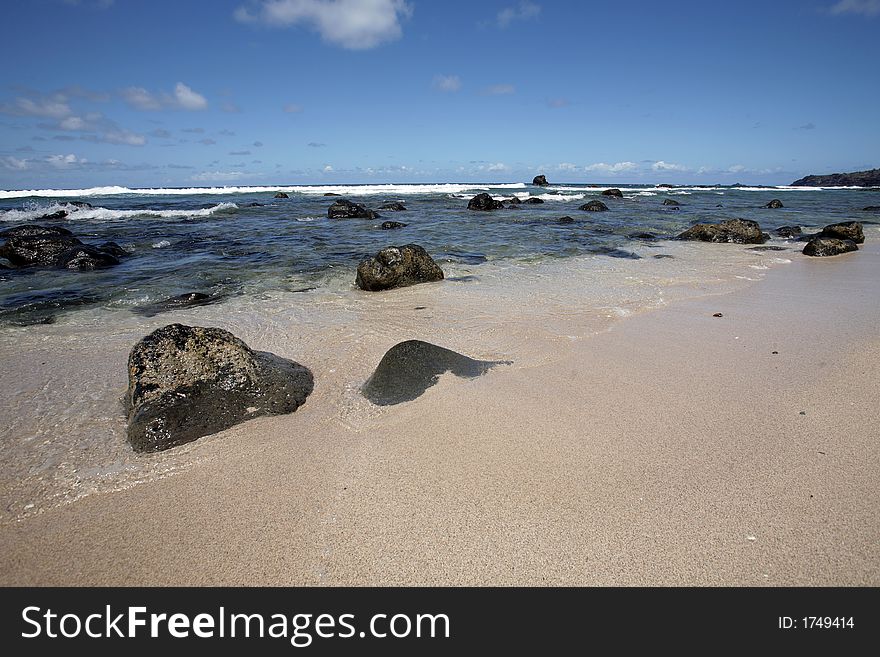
(859, 7)
(207, 142)
(617, 167)
(556, 103)
(500, 89)
(351, 24)
(239, 152)
(229, 107)
(520, 12)
(181, 97)
(51, 107)
(258, 144)
(668, 166)
(447, 83)
(807, 126)
(316, 144)
(14, 163)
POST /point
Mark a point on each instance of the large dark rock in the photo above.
(534, 200)
(854, 179)
(393, 206)
(53, 216)
(616, 193)
(669, 201)
(788, 231)
(281, 195)
(185, 382)
(345, 209)
(871, 208)
(738, 231)
(30, 230)
(391, 225)
(86, 258)
(113, 249)
(397, 266)
(484, 202)
(774, 204)
(565, 220)
(37, 250)
(409, 368)
(513, 200)
(540, 180)
(828, 246)
(594, 206)
(847, 230)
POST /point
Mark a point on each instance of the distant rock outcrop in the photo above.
(281, 195)
(614, 192)
(869, 178)
(540, 180)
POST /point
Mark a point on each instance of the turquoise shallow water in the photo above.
(241, 241)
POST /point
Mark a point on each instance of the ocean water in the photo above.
(232, 241)
(519, 287)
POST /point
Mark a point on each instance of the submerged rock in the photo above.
(594, 206)
(113, 249)
(669, 201)
(393, 206)
(332, 194)
(391, 225)
(565, 220)
(409, 368)
(397, 266)
(540, 180)
(484, 202)
(86, 258)
(871, 208)
(534, 200)
(847, 230)
(61, 214)
(738, 231)
(828, 246)
(767, 248)
(514, 200)
(788, 231)
(616, 193)
(76, 204)
(187, 300)
(185, 382)
(774, 204)
(345, 209)
(281, 195)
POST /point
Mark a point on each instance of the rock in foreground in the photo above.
(397, 266)
(409, 368)
(828, 246)
(185, 382)
(484, 202)
(737, 231)
(847, 230)
(345, 209)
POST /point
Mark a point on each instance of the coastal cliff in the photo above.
(855, 179)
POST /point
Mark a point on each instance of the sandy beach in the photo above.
(669, 447)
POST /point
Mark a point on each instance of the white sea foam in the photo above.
(351, 190)
(106, 214)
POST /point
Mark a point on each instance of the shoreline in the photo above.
(665, 448)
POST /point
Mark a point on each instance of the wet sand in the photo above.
(670, 448)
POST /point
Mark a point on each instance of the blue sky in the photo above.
(242, 92)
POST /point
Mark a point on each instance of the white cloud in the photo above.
(328, 169)
(182, 97)
(668, 166)
(54, 107)
(292, 108)
(566, 166)
(14, 163)
(352, 24)
(863, 7)
(520, 12)
(447, 83)
(498, 166)
(219, 176)
(64, 161)
(617, 167)
(500, 89)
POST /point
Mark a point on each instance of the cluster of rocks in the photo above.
(34, 245)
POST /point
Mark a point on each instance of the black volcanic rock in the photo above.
(669, 201)
(187, 300)
(393, 206)
(738, 231)
(391, 225)
(871, 208)
(594, 206)
(281, 195)
(847, 230)
(409, 368)
(185, 382)
(828, 246)
(32, 230)
(774, 204)
(37, 250)
(484, 202)
(397, 266)
(565, 220)
(869, 178)
(614, 192)
(788, 231)
(540, 180)
(513, 200)
(345, 209)
(86, 258)
(533, 200)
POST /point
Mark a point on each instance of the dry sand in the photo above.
(672, 449)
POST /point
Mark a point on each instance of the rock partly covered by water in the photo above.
(774, 204)
(828, 246)
(409, 368)
(484, 202)
(738, 231)
(281, 195)
(187, 300)
(594, 206)
(397, 266)
(869, 178)
(393, 206)
(871, 208)
(614, 192)
(345, 209)
(185, 382)
(847, 230)
(788, 231)
(533, 200)
(391, 225)
(672, 202)
(540, 180)
(50, 246)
